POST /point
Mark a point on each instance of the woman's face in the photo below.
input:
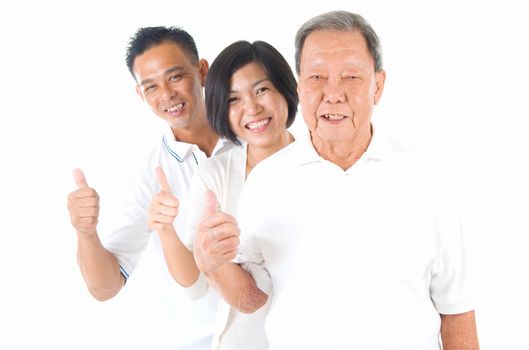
(257, 111)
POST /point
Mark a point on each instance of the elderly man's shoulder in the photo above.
(409, 159)
(424, 173)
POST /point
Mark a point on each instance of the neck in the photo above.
(202, 136)
(343, 153)
(255, 154)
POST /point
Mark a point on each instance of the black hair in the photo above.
(231, 59)
(148, 37)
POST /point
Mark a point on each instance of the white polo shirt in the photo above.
(127, 242)
(365, 258)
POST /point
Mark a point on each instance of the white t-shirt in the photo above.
(225, 175)
(365, 258)
(129, 240)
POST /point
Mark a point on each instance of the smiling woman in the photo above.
(258, 112)
(454, 92)
(261, 104)
(251, 99)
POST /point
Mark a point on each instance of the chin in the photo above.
(259, 143)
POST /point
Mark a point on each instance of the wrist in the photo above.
(88, 240)
(166, 232)
(86, 235)
(214, 272)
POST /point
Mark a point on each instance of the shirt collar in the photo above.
(180, 150)
(379, 148)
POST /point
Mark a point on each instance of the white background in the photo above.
(456, 91)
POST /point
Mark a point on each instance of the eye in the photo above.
(149, 88)
(262, 90)
(232, 100)
(351, 77)
(315, 77)
(175, 77)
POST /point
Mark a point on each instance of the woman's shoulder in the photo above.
(222, 160)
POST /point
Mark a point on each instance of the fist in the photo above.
(83, 205)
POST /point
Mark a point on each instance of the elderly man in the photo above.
(345, 227)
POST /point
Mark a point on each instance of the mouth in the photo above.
(258, 125)
(333, 117)
(176, 108)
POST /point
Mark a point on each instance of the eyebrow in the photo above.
(171, 70)
(257, 83)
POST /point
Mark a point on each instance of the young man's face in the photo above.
(171, 84)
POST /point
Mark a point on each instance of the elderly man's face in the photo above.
(338, 86)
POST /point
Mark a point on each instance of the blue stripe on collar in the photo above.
(171, 152)
(123, 272)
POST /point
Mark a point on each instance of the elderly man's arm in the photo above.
(216, 245)
(458, 332)
(238, 287)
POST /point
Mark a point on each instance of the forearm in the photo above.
(99, 267)
(179, 259)
(238, 288)
(458, 332)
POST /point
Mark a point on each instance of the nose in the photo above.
(333, 91)
(165, 92)
(252, 107)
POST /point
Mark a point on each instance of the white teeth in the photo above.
(334, 116)
(175, 108)
(258, 124)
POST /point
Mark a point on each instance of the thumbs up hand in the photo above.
(83, 205)
(217, 238)
(164, 206)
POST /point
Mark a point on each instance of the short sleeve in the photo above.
(130, 235)
(196, 203)
(197, 289)
(450, 288)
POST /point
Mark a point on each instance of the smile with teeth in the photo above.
(175, 108)
(258, 124)
(333, 116)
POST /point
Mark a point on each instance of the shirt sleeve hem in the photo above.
(455, 309)
(197, 289)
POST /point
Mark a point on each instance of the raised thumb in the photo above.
(79, 178)
(162, 179)
(211, 203)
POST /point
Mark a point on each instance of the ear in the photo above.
(380, 79)
(203, 67)
(138, 91)
(297, 88)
